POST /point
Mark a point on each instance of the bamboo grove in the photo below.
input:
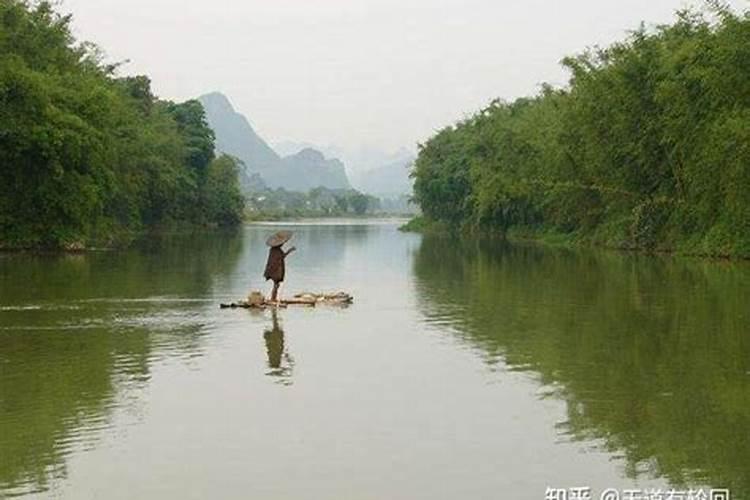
(89, 158)
(648, 147)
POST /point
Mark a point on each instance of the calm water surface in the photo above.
(464, 370)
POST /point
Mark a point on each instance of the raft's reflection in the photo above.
(280, 363)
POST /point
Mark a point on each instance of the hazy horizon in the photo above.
(355, 74)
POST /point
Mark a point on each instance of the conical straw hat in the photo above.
(279, 238)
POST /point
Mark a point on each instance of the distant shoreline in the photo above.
(333, 221)
(138, 238)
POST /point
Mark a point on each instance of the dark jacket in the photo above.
(275, 266)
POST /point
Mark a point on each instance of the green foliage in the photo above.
(419, 224)
(359, 203)
(648, 147)
(199, 138)
(224, 202)
(87, 157)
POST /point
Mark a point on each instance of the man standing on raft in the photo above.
(275, 268)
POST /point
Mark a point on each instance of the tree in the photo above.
(645, 148)
(88, 157)
(224, 200)
(359, 202)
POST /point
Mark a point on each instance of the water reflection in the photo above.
(280, 362)
(651, 355)
(79, 334)
(646, 357)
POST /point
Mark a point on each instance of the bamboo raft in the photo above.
(256, 300)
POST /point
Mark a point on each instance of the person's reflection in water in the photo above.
(279, 360)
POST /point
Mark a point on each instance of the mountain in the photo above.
(366, 158)
(372, 170)
(235, 136)
(290, 148)
(389, 180)
(358, 160)
(305, 170)
(309, 169)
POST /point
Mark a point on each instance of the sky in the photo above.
(379, 74)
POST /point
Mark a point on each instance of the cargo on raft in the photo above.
(256, 300)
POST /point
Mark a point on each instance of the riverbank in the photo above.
(134, 238)
(645, 148)
(555, 238)
(121, 240)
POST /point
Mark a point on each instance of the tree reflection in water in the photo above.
(80, 335)
(651, 354)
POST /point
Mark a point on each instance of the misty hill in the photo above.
(372, 170)
(367, 158)
(389, 180)
(309, 169)
(358, 160)
(290, 148)
(235, 135)
(303, 171)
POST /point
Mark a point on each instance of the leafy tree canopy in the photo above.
(647, 147)
(87, 157)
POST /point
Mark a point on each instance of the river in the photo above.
(465, 369)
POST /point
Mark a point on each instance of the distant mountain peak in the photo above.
(217, 100)
(302, 171)
(235, 135)
(310, 155)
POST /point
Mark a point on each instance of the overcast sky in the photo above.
(383, 73)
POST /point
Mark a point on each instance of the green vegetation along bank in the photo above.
(275, 204)
(648, 147)
(87, 158)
